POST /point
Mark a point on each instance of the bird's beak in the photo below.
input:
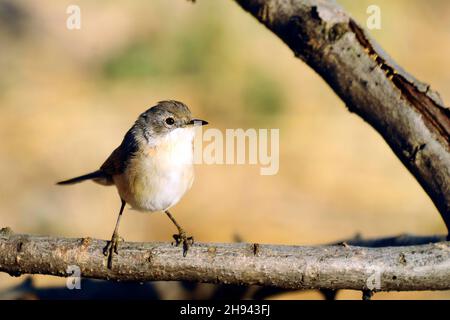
(198, 122)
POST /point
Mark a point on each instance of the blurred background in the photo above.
(68, 96)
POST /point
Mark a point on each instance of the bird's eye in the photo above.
(170, 121)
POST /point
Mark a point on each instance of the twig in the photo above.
(422, 267)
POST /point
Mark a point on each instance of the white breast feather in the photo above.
(156, 180)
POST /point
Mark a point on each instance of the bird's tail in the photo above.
(93, 175)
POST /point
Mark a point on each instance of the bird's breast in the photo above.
(159, 175)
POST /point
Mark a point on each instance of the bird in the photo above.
(152, 168)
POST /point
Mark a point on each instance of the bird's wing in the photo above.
(119, 158)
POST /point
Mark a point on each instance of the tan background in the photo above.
(67, 98)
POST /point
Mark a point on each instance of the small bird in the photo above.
(153, 166)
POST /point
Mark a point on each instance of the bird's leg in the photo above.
(113, 245)
(181, 237)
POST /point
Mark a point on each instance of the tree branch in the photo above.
(422, 267)
(407, 113)
(397, 241)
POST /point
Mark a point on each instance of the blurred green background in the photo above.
(67, 98)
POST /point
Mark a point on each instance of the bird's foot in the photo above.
(112, 247)
(182, 238)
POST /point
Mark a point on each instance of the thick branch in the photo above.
(407, 113)
(423, 267)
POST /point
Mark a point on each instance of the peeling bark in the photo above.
(421, 267)
(409, 115)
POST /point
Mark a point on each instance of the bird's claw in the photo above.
(112, 247)
(187, 242)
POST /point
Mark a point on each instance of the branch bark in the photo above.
(407, 113)
(422, 267)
